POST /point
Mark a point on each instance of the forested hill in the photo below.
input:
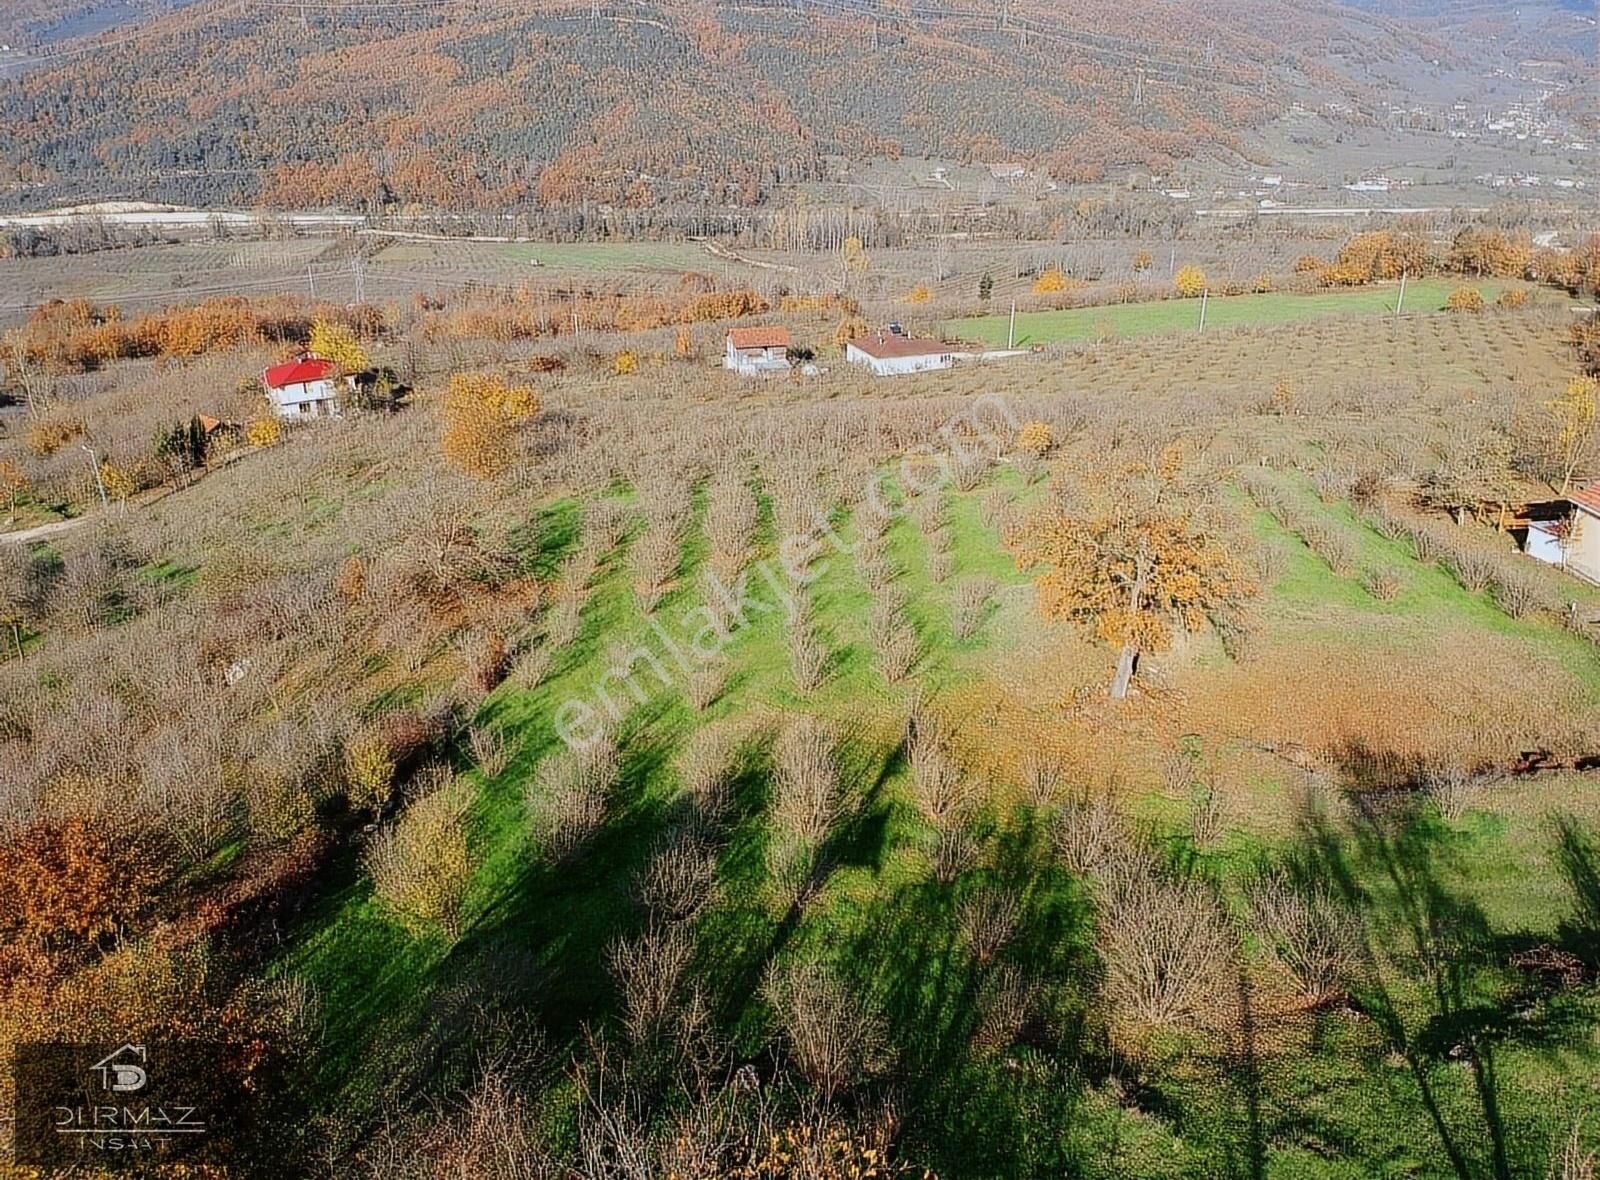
(494, 103)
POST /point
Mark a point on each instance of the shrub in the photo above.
(1167, 951)
(808, 658)
(835, 1039)
(1313, 935)
(941, 566)
(1465, 298)
(1190, 282)
(939, 789)
(649, 971)
(1035, 438)
(1452, 788)
(1004, 1006)
(1043, 776)
(1474, 568)
(1521, 592)
(569, 794)
(681, 878)
(705, 685)
(489, 750)
(1050, 282)
(707, 767)
(1384, 583)
(369, 772)
(988, 920)
(1206, 816)
(807, 800)
(897, 652)
(1512, 297)
(420, 863)
(972, 599)
(1089, 835)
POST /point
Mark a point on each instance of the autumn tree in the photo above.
(919, 294)
(1465, 298)
(481, 417)
(1050, 282)
(1577, 426)
(338, 343)
(1134, 561)
(1143, 261)
(1190, 281)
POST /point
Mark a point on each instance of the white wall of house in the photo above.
(306, 399)
(1583, 547)
(1543, 544)
(752, 361)
(893, 366)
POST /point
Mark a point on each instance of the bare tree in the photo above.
(836, 1040)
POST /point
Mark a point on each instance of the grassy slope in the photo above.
(1178, 315)
(536, 937)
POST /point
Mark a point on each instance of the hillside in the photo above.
(482, 103)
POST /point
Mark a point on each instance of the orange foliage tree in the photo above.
(1133, 563)
(481, 416)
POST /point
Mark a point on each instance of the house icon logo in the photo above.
(123, 1072)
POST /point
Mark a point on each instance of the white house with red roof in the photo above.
(1581, 547)
(1570, 540)
(306, 387)
(758, 352)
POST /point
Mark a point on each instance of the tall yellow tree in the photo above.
(338, 343)
(1134, 562)
(480, 420)
(1577, 423)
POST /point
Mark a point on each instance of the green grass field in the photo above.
(1383, 1092)
(1182, 315)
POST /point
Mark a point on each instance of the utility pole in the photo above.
(311, 282)
(94, 465)
(1401, 301)
(1011, 334)
(1205, 297)
(360, 268)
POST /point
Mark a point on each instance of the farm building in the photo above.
(306, 387)
(758, 352)
(1571, 540)
(888, 354)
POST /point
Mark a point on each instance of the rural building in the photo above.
(306, 387)
(889, 354)
(758, 352)
(1571, 540)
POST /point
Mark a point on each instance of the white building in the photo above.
(306, 387)
(758, 352)
(888, 355)
(1573, 543)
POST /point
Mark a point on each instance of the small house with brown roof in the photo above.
(887, 354)
(758, 352)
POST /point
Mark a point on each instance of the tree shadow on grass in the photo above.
(1433, 984)
(1007, 1112)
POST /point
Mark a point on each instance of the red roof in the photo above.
(1587, 497)
(772, 336)
(885, 345)
(307, 368)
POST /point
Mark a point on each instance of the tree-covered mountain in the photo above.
(492, 103)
